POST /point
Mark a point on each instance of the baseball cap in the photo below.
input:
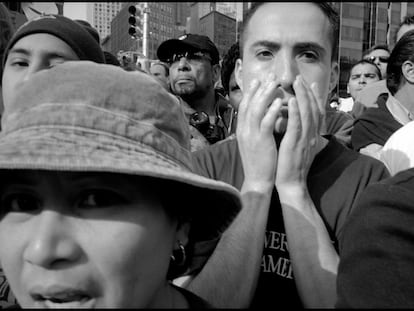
(188, 42)
(81, 116)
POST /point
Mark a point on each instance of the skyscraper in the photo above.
(100, 15)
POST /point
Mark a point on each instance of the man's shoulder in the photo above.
(339, 156)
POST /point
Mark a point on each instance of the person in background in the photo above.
(362, 74)
(161, 72)
(42, 43)
(282, 249)
(379, 55)
(228, 80)
(111, 59)
(194, 70)
(7, 298)
(373, 128)
(6, 32)
(376, 268)
(406, 24)
(97, 192)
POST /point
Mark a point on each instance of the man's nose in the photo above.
(52, 242)
(34, 67)
(183, 64)
(286, 70)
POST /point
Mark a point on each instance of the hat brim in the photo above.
(82, 150)
(168, 48)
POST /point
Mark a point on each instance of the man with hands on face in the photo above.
(297, 186)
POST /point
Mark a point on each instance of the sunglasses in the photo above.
(190, 56)
(382, 59)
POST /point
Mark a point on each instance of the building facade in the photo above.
(363, 25)
(166, 20)
(100, 15)
(220, 28)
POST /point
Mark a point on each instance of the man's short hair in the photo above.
(407, 21)
(403, 51)
(327, 10)
(228, 64)
(380, 46)
(364, 61)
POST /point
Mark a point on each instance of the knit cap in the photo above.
(74, 34)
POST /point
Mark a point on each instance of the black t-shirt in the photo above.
(377, 264)
(336, 178)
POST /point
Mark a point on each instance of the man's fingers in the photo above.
(246, 100)
(269, 120)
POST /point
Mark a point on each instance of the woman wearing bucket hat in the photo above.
(97, 194)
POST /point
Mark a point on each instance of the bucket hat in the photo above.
(86, 117)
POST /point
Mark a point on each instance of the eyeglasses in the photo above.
(190, 56)
(382, 59)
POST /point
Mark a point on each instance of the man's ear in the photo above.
(216, 73)
(334, 76)
(407, 69)
(238, 73)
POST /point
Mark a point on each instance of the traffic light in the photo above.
(134, 21)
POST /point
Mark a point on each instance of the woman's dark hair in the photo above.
(403, 51)
(364, 61)
(228, 64)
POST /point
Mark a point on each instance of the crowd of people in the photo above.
(206, 181)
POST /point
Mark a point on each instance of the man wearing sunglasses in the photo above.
(194, 70)
(379, 55)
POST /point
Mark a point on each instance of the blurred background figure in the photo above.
(111, 59)
(228, 81)
(161, 71)
(379, 55)
(374, 127)
(362, 74)
(6, 32)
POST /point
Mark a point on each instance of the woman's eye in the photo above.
(20, 203)
(100, 198)
(19, 63)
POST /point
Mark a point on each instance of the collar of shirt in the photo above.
(398, 111)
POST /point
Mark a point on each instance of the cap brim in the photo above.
(166, 49)
(81, 150)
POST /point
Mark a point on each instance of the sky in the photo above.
(75, 10)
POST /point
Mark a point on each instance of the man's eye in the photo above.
(309, 55)
(100, 198)
(264, 54)
(20, 203)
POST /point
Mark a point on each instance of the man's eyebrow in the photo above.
(311, 46)
(266, 43)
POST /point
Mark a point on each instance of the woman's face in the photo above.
(85, 240)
